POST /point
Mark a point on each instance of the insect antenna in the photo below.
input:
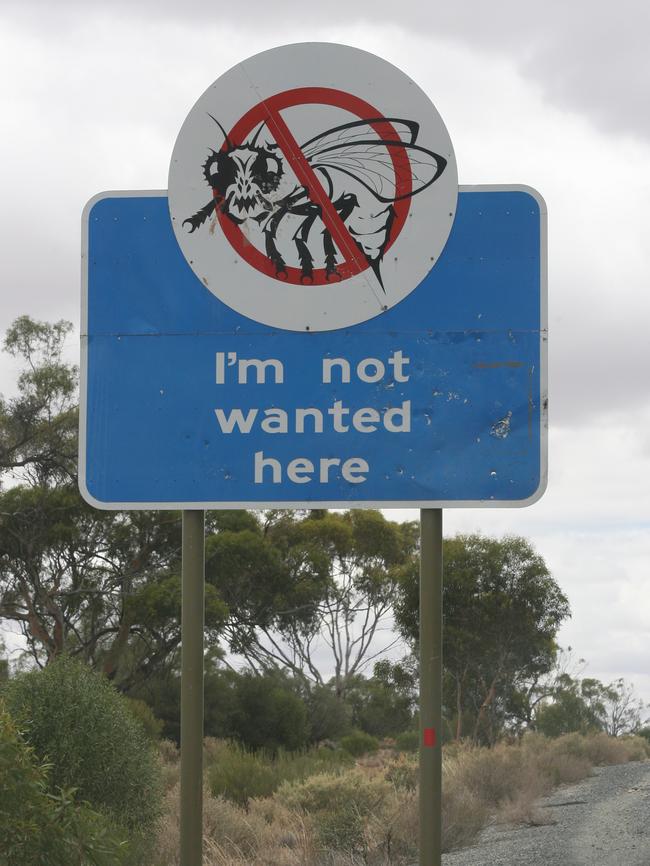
(253, 141)
(225, 134)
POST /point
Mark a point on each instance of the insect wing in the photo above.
(358, 150)
(349, 133)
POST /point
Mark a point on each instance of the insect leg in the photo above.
(330, 255)
(344, 205)
(283, 207)
(311, 212)
(200, 216)
(270, 231)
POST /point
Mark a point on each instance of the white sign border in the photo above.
(318, 503)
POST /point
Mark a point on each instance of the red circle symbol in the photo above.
(354, 261)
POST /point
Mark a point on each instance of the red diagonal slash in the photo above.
(307, 178)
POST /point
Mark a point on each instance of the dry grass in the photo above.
(464, 813)
(368, 815)
(601, 750)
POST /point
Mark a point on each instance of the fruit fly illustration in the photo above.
(356, 168)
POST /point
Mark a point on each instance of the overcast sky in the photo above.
(553, 95)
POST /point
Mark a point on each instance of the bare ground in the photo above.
(602, 821)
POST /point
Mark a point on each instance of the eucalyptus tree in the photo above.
(333, 581)
(502, 610)
(38, 425)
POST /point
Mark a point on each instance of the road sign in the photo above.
(312, 315)
(312, 187)
(439, 400)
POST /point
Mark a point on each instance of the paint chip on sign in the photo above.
(502, 428)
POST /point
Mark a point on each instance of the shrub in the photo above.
(562, 769)
(364, 815)
(143, 714)
(403, 773)
(266, 833)
(74, 719)
(240, 775)
(408, 741)
(339, 805)
(494, 775)
(354, 790)
(359, 743)
(169, 761)
(39, 827)
(599, 749)
(636, 747)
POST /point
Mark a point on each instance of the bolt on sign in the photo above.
(314, 313)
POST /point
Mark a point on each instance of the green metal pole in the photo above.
(430, 686)
(192, 616)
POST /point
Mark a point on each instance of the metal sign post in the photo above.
(430, 686)
(192, 618)
(313, 315)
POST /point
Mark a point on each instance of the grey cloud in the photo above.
(598, 362)
(584, 56)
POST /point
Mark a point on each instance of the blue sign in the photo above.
(438, 401)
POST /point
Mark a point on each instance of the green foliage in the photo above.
(39, 827)
(339, 806)
(502, 611)
(408, 741)
(74, 719)
(588, 705)
(241, 775)
(359, 743)
(158, 604)
(161, 691)
(267, 714)
(247, 572)
(328, 716)
(260, 711)
(143, 715)
(4, 663)
(76, 577)
(404, 772)
(38, 428)
(569, 712)
(382, 705)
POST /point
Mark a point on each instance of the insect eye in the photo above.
(267, 171)
(219, 171)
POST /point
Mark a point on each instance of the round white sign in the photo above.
(312, 187)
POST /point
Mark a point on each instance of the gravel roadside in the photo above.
(602, 821)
